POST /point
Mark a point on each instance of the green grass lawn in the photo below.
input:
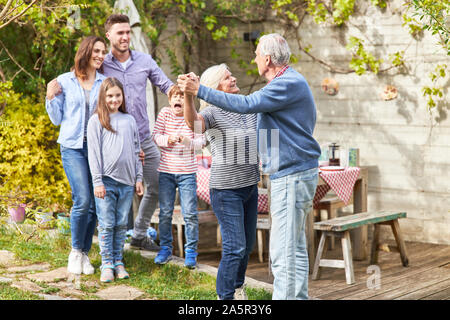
(166, 282)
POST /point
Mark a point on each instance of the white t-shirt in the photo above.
(124, 64)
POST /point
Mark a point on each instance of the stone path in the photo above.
(57, 284)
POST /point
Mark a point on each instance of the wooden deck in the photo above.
(427, 277)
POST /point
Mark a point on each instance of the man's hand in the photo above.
(139, 188)
(189, 83)
(53, 89)
(100, 192)
(142, 156)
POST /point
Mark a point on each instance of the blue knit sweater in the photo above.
(286, 120)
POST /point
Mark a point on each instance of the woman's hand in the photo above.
(100, 192)
(139, 188)
(189, 83)
(53, 89)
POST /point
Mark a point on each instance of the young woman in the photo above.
(113, 144)
(71, 100)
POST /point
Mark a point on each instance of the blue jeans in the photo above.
(83, 218)
(236, 210)
(112, 213)
(187, 188)
(291, 202)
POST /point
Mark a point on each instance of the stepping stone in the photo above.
(5, 280)
(50, 276)
(26, 285)
(121, 292)
(67, 289)
(30, 268)
(6, 258)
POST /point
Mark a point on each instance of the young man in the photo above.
(287, 114)
(133, 68)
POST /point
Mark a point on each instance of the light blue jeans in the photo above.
(187, 187)
(83, 218)
(291, 202)
(112, 213)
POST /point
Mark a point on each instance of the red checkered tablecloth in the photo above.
(203, 190)
(341, 182)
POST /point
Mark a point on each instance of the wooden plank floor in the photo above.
(427, 277)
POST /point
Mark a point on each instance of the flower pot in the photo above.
(44, 219)
(63, 223)
(17, 213)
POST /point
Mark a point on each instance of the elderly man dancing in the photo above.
(287, 116)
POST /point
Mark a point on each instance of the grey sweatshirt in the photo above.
(115, 155)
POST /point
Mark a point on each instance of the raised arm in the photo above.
(194, 121)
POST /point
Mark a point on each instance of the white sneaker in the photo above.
(86, 264)
(74, 265)
(240, 294)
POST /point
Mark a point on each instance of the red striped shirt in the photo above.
(280, 72)
(176, 159)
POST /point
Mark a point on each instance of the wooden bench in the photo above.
(340, 227)
(177, 219)
(330, 204)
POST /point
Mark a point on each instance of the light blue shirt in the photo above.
(68, 108)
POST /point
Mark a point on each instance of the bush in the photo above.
(30, 160)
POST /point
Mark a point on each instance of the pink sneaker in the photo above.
(107, 274)
(120, 272)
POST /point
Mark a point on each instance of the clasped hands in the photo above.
(189, 83)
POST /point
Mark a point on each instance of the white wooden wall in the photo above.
(406, 147)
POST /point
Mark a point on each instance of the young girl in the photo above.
(113, 152)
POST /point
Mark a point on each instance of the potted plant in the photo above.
(62, 218)
(15, 203)
(17, 212)
(43, 217)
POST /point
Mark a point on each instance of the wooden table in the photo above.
(358, 236)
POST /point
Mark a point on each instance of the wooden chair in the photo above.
(340, 227)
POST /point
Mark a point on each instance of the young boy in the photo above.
(177, 168)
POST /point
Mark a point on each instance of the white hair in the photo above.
(275, 46)
(211, 78)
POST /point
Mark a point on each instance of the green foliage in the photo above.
(29, 155)
(432, 16)
(397, 59)
(361, 59)
(343, 9)
(49, 34)
(317, 10)
(435, 92)
(379, 3)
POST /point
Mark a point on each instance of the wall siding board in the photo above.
(406, 148)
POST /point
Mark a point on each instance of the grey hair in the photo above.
(211, 78)
(275, 46)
